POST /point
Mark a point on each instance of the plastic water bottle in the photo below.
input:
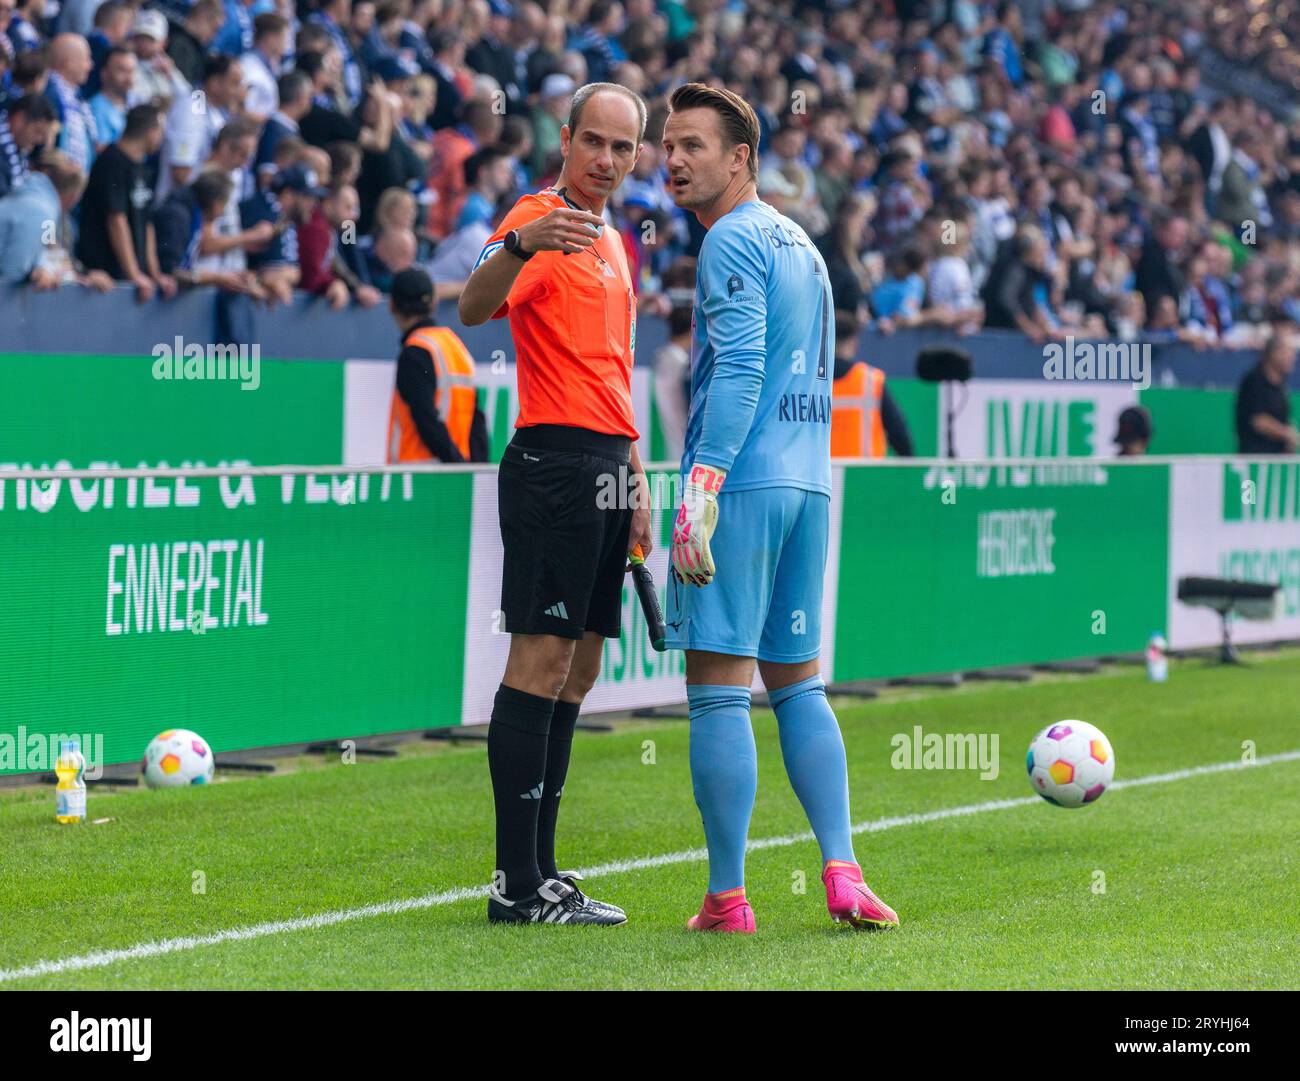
(1157, 662)
(70, 794)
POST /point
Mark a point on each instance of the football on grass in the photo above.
(177, 757)
(1070, 763)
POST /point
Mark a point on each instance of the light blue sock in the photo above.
(724, 774)
(814, 760)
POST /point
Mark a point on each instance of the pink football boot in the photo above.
(727, 911)
(851, 901)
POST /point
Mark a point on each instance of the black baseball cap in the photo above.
(1134, 423)
(299, 178)
(412, 291)
(392, 69)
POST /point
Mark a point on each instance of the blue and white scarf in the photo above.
(78, 137)
(12, 159)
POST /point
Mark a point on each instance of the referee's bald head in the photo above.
(584, 94)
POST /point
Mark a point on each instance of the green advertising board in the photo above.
(974, 566)
(257, 610)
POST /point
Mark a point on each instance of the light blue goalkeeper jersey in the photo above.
(762, 356)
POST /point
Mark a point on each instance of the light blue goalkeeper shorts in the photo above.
(765, 599)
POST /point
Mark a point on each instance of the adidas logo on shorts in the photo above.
(558, 611)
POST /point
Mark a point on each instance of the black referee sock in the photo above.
(563, 721)
(517, 761)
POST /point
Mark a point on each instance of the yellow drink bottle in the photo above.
(70, 793)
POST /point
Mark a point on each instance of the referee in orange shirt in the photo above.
(560, 274)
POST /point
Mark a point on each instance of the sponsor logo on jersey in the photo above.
(736, 291)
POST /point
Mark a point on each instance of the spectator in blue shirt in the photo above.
(490, 175)
(333, 15)
(897, 300)
(295, 91)
(53, 187)
(414, 36)
(598, 39)
(889, 122)
(109, 106)
(114, 20)
(236, 34)
(1003, 43)
(22, 31)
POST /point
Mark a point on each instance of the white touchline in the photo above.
(101, 958)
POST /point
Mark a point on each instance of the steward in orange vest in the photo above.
(857, 429)
(434, 413)
(865, 420)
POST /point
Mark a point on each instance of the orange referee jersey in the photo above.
(573, 322)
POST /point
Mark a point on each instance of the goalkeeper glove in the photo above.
(697, 518)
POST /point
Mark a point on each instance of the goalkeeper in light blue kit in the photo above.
(749, 540)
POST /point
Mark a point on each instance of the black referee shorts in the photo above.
(565, 542)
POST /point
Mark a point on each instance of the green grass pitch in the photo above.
(1201, 873)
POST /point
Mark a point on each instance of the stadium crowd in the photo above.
(1053, 166)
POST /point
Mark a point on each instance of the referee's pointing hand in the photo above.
(563, 229)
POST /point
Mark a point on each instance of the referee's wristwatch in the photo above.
(515, 247)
